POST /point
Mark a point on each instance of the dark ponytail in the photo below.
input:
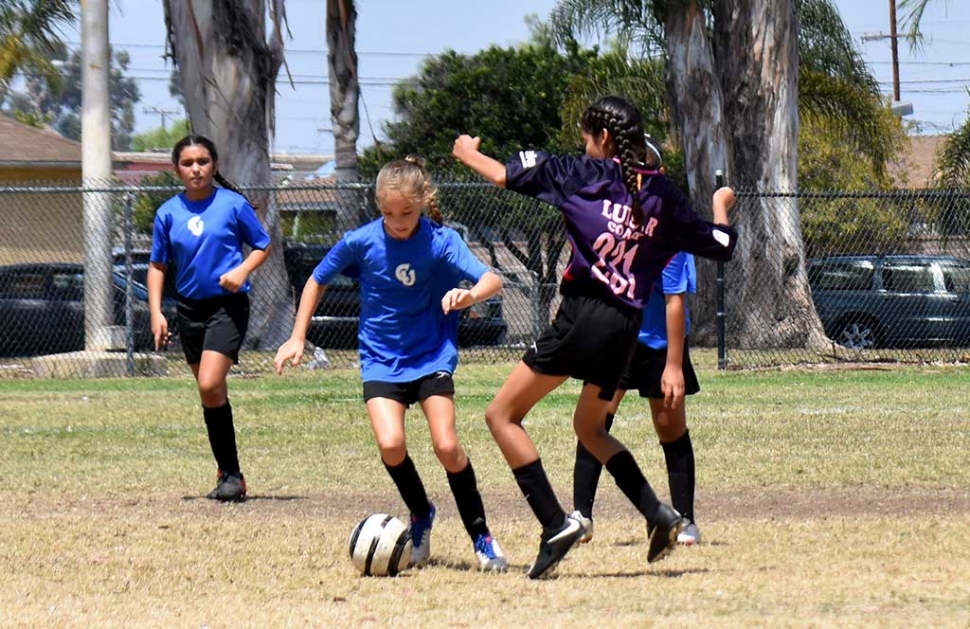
(621, 119)
(209, 145)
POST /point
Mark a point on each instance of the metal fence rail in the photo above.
(871, 304)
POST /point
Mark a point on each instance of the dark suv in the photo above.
(892, 300)
(42, 308)
(334, 324)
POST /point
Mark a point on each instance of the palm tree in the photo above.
(344, 97)
(228, 65)
(30, 37)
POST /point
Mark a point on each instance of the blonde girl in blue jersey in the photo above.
(202, 231)
(409, 268)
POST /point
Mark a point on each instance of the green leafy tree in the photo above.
(512, 98)
(147, 202)
(160, 138)
(63, 106)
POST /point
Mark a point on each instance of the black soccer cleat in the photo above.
(662, 532)
(554, 545)
(214, 494)
(229, 488)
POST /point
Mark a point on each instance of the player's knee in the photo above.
(449, 452)
(212, 391)
(497, 418)
(393, 449)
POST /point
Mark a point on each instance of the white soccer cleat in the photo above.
(587, 526)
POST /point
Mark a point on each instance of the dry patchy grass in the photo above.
(825, 499)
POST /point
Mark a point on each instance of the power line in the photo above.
(310, 51)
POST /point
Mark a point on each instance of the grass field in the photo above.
(826, 498)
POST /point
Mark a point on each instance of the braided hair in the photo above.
(409, 177)
(621, 119)
(209, 145)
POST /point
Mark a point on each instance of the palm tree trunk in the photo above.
(344, 97)
(228, 75)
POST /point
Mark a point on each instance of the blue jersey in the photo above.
(204, 240)
(678, 277)
(611, 253)
(403, 334)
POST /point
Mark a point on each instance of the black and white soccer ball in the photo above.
(380, 545)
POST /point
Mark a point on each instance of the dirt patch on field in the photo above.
(799, 504)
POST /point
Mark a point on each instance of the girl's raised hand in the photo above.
(465, 145)
(723, 201)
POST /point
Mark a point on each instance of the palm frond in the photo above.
(953, 159)
(825, 45)
(854, 114)
(631, 21)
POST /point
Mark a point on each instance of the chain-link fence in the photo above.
(886, 277)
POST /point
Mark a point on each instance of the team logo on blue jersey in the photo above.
(528, 158)
(405, 274)
(196, 225)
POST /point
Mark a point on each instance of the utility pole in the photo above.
(161, 111)
(96, 175)
(897, 107)
(894, 42)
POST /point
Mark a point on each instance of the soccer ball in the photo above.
(380, 545)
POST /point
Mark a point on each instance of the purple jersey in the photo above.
(609, 249)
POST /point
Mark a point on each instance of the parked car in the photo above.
(334, 323)
(892, 300)
(42, 308)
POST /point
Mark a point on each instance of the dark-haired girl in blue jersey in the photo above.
(409, 269)
(202, 231)
(624, 223)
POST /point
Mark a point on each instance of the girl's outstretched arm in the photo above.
(466, 151)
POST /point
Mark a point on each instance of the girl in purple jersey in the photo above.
(202, 232)
(624, 223)
(409, 268)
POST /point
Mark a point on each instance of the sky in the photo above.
(394, 36)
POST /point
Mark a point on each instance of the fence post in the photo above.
(721, 317)
(538, 320)
(129, 291)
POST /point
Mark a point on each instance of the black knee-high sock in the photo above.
(469, 501)
(222, 437)
(679, 455)
(535, 486)
(631, 482)
(409, 484)
(586, 476)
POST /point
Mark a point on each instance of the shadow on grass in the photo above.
(249, 498)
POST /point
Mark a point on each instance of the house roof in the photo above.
(23, 145)
(916, 166)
